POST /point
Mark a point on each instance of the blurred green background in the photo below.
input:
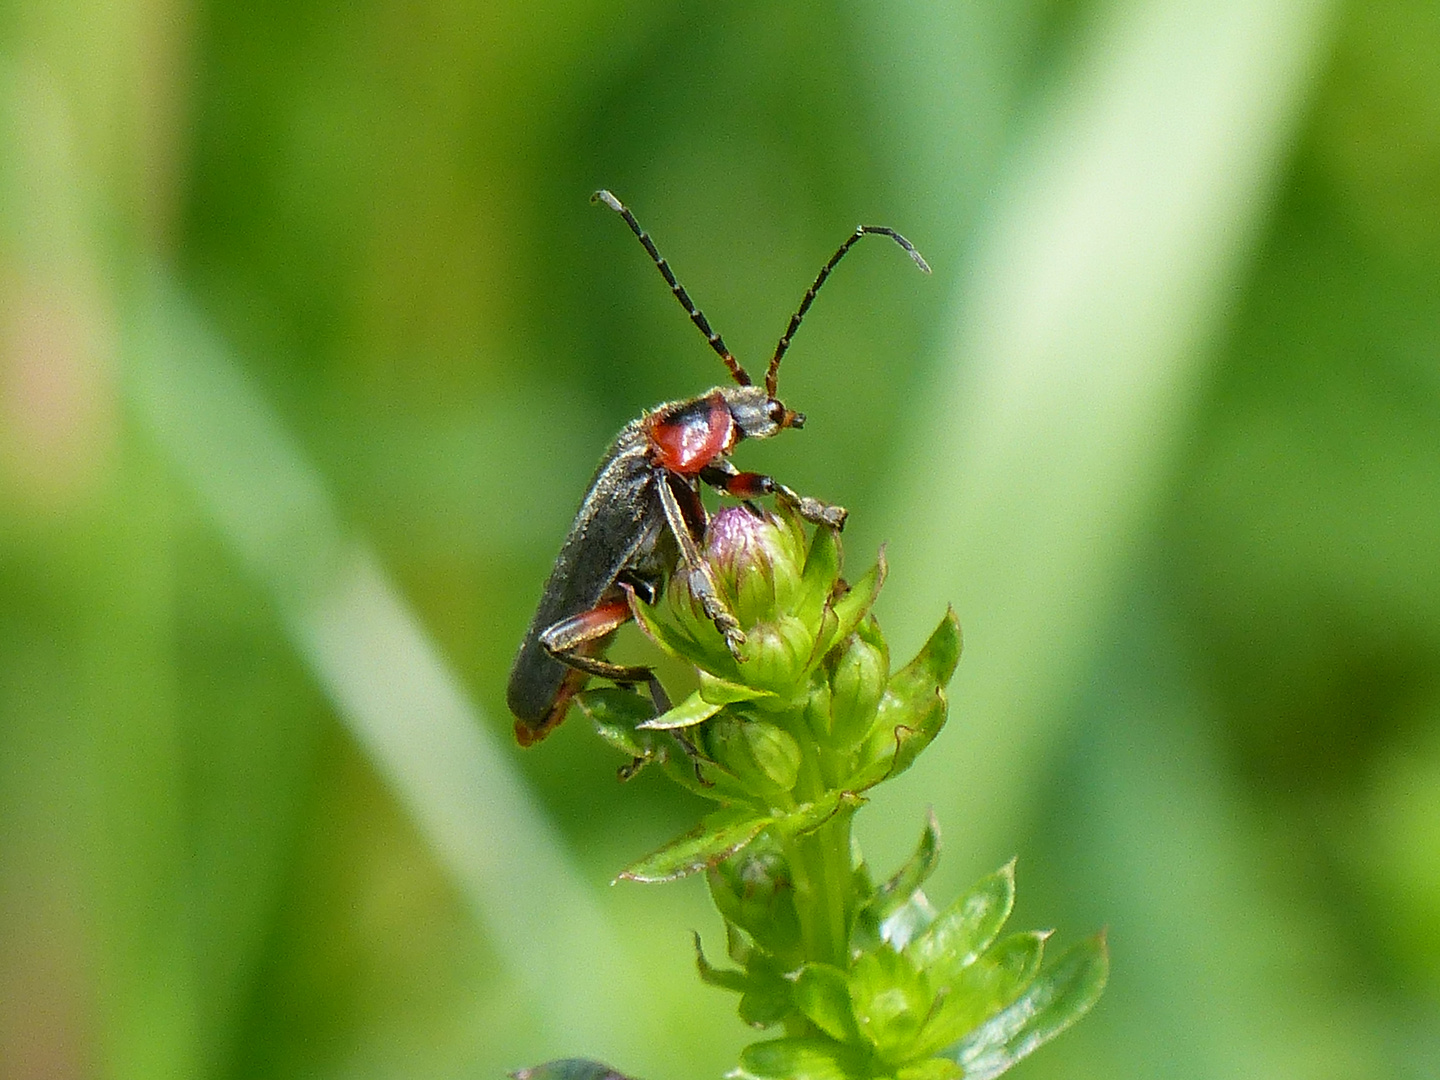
(309, 341)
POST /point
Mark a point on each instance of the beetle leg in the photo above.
(662, 706)
(697, 572)
(647, 589)
(565, 640)
(568, 639)
(723, 476)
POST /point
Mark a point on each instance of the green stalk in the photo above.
(820, 907)
(820, 865)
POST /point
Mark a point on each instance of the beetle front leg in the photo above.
(723, 476)
(568, 639)
(697, 571)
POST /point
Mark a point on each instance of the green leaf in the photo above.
(822, 993)
(720, 691)
(810, 816)
(681, 769)
(896, 893)
(765, 991)
(767, 999)
(1062, 994)
(764, 1006)
(808, 1058)
(930, 1069)
(907, 921)
(693, 710)
(868, 629)
(822, 568)
(891, 750)
(736, 945)
(911, 690)
(616, 714)
(725, 978)
(918, 867)
(913, 708)
(723, 833)
(826, 633)
(851, 608)
(569, 1069)
(614, 705)
(910, 740)
(966, 928)
(1009, 966)
(981, 990)
(768, 995)
(891, 1002)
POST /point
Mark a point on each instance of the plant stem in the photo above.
(820, 866)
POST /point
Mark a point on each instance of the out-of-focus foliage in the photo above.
(1222, 734)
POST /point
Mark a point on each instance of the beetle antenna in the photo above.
(738, 373)
(772, 373)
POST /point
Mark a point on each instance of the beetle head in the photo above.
(757, 415)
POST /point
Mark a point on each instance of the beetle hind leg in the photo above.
(572, 640)
(568, 641)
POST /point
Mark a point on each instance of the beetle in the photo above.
(642, 519)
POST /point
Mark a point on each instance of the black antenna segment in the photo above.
(773, 372)
(738, 373)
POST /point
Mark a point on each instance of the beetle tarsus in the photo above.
(697, 759)
(813, 510)
(702, 587)
(628, 771)
(662, 706)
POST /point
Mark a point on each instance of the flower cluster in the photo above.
(785, 736)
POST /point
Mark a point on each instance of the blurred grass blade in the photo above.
(388, 683)
(1078, 351)
(1236, 973)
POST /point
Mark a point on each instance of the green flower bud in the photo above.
(755, 562)
(777, 654)
(757, 559)
(775, 751)
(754, 891)
(857, 682)
(763, 757)
(817, 710)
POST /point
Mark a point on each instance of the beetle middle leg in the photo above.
(568, 640)
(723, 476)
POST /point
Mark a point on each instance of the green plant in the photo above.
(863, 980)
